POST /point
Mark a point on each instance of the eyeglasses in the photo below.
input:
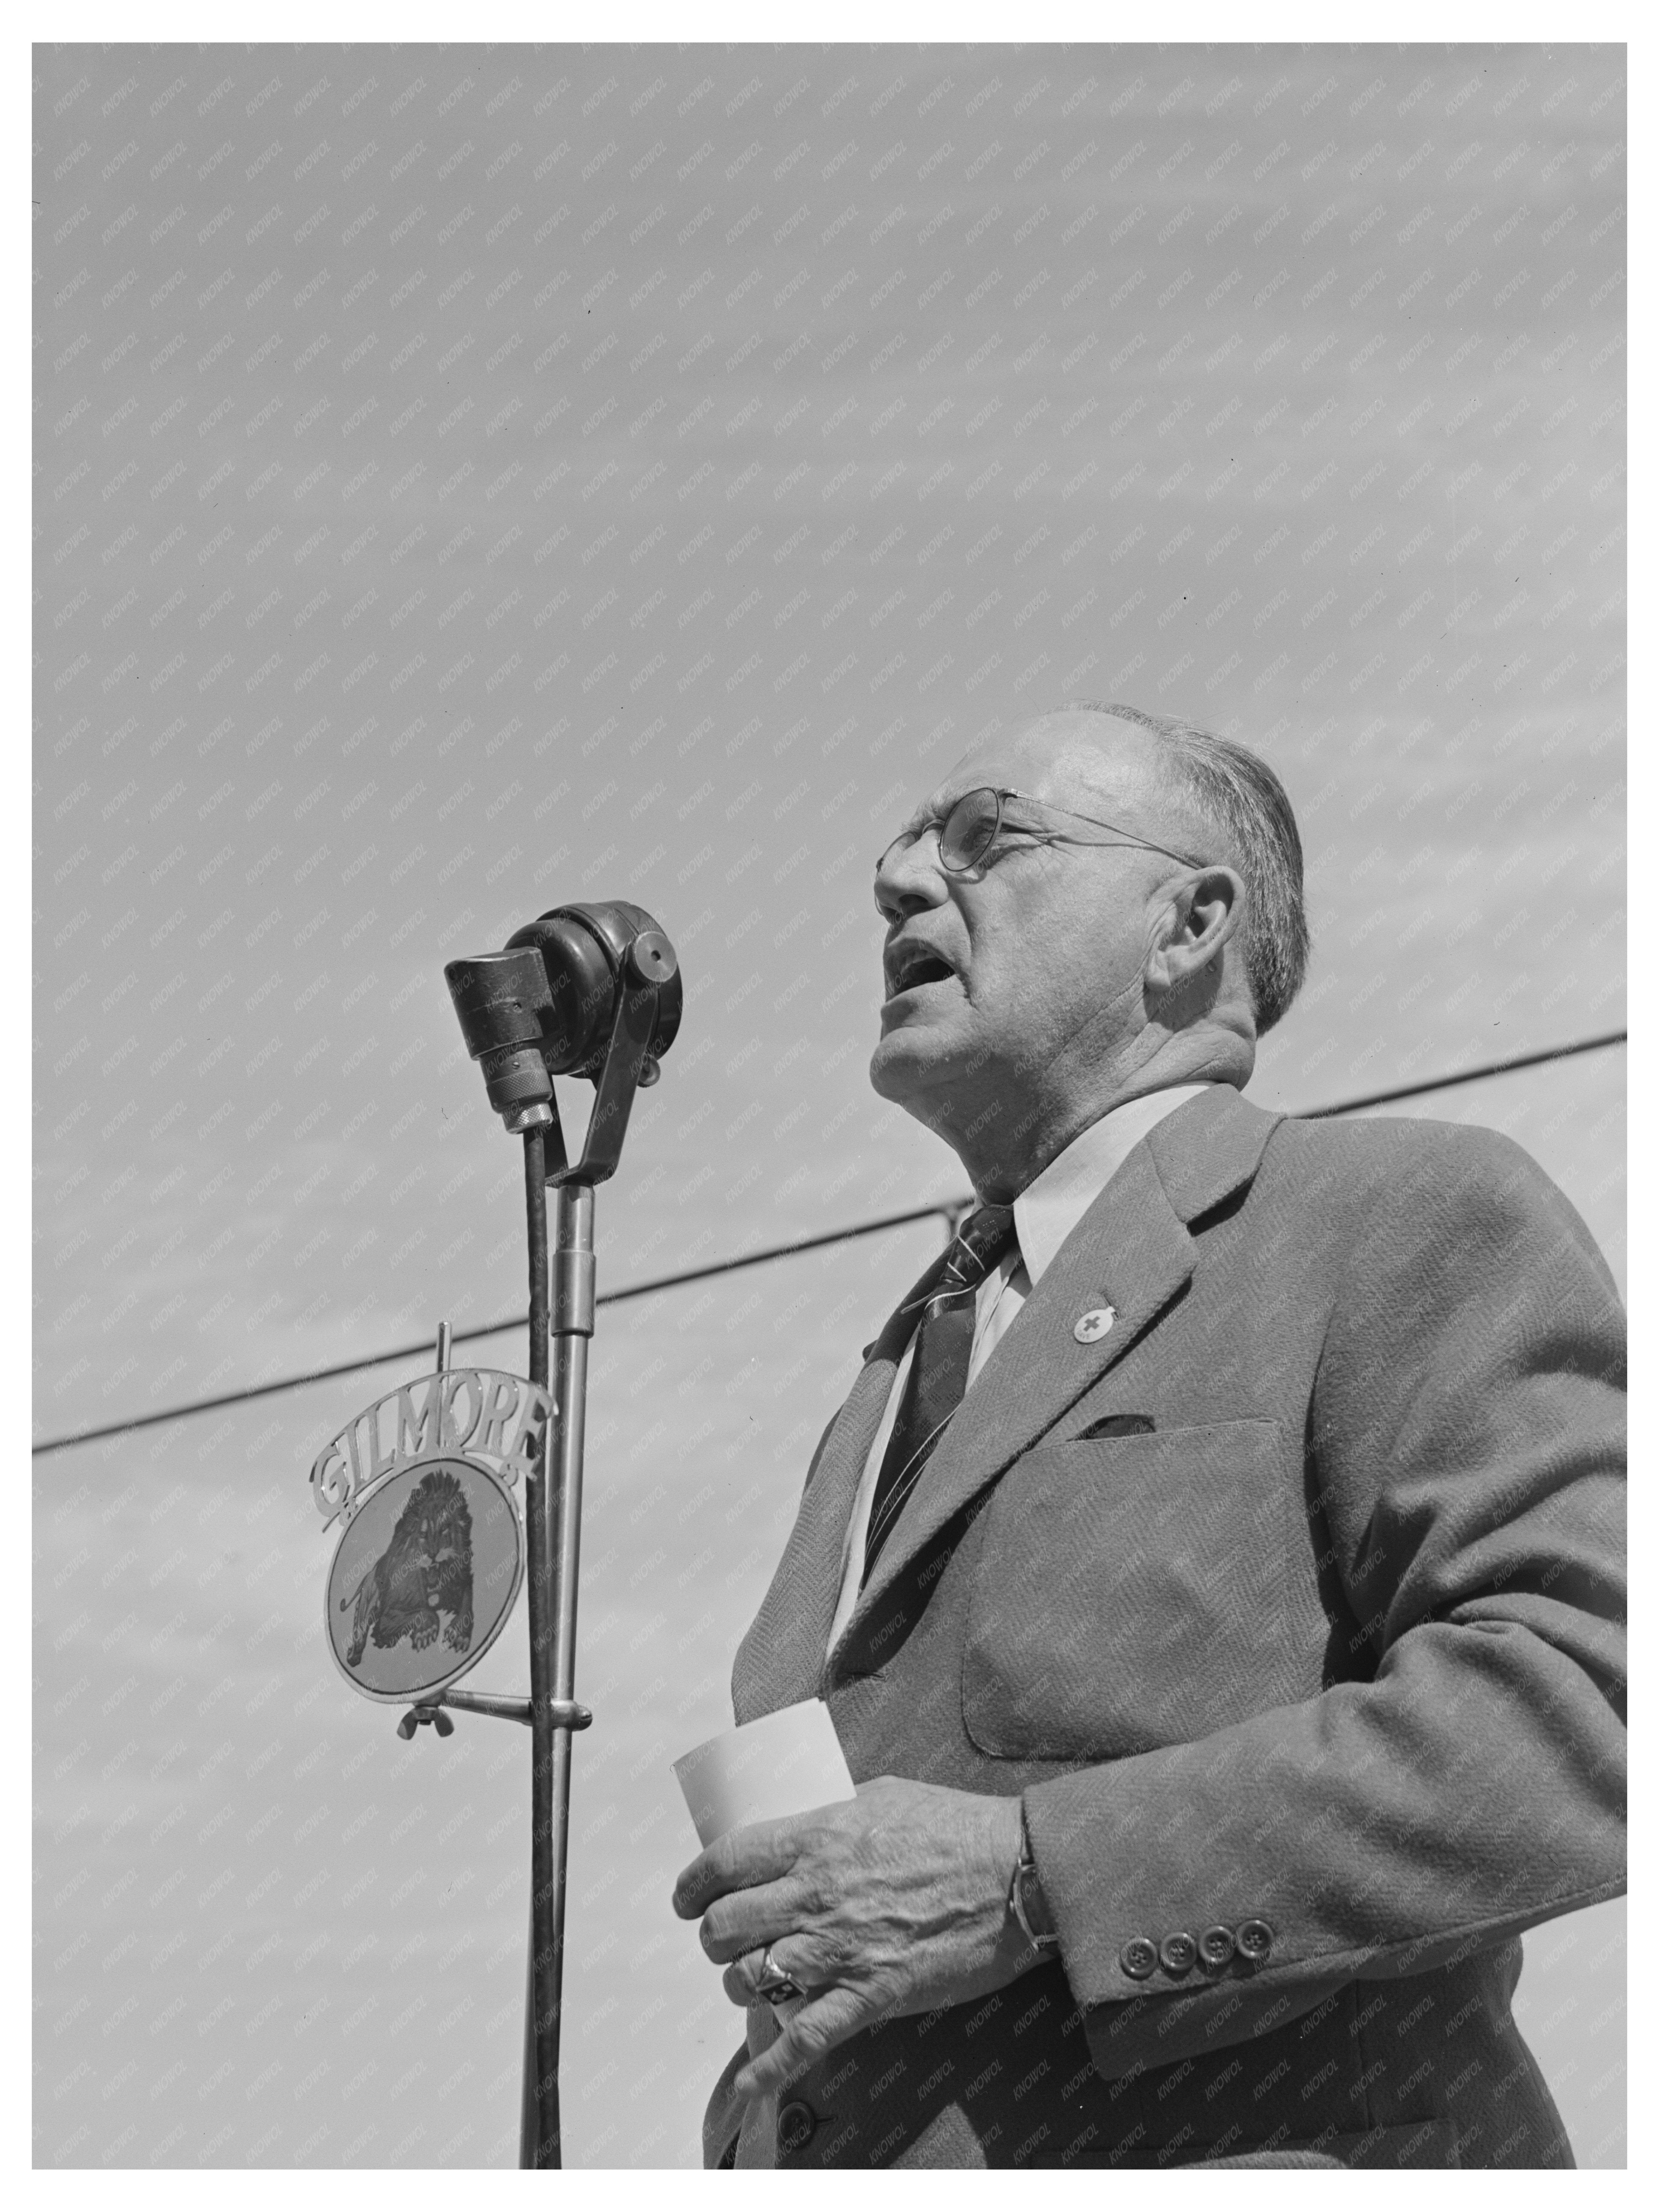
(968, 833)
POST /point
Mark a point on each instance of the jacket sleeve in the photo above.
(1464, 1779)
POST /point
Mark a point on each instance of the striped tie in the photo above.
(939, 1371)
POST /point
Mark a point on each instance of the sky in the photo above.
(470, 480)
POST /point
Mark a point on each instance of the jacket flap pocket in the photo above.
(1129, 1593)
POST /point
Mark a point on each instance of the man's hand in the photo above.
(894, 1903)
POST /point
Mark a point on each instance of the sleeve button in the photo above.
(797, 2124)
(1138, 1958)
(1216, 1947)
(1256, 1941)
(1178, 1953)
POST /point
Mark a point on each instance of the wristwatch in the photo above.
(1027, 1902)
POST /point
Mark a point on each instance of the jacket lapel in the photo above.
(1131, 1252)
(781, 1660)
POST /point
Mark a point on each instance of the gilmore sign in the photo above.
(478, 1411)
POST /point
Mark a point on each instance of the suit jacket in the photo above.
(1297, 1598)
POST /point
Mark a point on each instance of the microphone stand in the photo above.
(536, 1009)
(562, 1318)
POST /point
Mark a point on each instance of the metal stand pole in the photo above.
(538, 2122)
(553, 1516)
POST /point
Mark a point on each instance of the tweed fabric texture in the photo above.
(1336, 1643)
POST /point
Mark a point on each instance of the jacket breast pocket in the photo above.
(1129, 1593)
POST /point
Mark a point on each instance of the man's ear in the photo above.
(1199, 919)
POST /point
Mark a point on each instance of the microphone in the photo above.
(592, 990)
(552, 1001)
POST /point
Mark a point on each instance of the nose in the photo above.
(909, 876)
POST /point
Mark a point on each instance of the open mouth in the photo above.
(909, 966)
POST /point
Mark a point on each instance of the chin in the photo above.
(905, 1062)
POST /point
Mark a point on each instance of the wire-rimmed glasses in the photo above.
(969, 832)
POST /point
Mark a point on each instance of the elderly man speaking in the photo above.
(1215, 1573)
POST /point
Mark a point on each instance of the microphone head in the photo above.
(546, 1004)
(590, 951)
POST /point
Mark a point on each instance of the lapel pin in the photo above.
(1090, 1328)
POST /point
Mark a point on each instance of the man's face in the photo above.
(1029, 966)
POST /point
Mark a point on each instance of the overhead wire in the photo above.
(948, 1209)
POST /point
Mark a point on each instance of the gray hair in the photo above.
(1236, 791)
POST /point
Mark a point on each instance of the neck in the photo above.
(1004, 1145)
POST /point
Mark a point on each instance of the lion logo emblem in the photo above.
(424, 1572)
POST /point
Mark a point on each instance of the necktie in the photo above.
(939, 1371)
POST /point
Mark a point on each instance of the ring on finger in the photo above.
(773, 1983)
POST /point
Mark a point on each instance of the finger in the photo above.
(737, 1860)
(749, 1919)
(739, 1981)
(821, 2023)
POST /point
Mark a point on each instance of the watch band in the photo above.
(1027, 1902)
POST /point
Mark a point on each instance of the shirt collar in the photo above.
(1050, 1207)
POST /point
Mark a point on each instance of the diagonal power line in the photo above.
(1470, 1075)
(494, 1328)
(948, 1208)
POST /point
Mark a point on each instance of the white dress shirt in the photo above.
(1045, 1215)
